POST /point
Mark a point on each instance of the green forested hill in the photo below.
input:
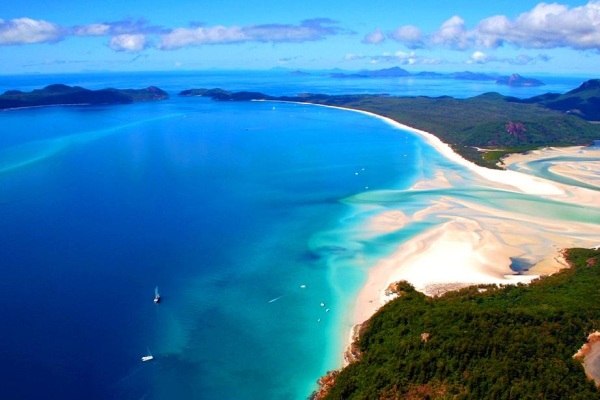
(60, 94)
(583, 101)
(491, 122)
(488, 121)
(514, 342)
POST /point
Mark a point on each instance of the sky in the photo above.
(505, 36)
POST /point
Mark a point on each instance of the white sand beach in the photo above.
(477, 244)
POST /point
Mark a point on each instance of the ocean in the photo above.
(235, 211)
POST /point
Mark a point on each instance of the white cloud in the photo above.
(308, 30)
(453, 33)
(479, 57)
(546, 26)
(115, 28)
(92, 30)
(133, 35)
(410, 35)
(374, 37)
(28, 31)
(128, 43)
(182, 37)
(492, 31)
(402, 58)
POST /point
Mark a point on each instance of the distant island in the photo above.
(59, 94)
(381, 73)
(483, 129)
(512, 80)
(518, 80)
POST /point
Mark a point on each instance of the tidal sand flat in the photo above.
(473, 225)
(577, 166)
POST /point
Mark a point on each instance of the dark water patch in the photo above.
(520, 265)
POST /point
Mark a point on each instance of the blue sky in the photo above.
(133, 35)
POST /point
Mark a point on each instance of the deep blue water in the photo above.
(232, 209)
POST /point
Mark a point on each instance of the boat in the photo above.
(156, 296)
(149, 357)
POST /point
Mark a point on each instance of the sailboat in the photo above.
(156, 296)
(149, 357)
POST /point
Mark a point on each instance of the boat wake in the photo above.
(275, 299)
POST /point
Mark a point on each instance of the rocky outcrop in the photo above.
(325, 384)
(518, 80)
(589, 354)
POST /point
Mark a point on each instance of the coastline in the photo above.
(477, 244)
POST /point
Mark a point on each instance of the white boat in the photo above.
(149, 357)
(156, 296)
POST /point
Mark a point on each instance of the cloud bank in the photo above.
(546, 26)
(29, 31)
(133, 35)
(308, 30)
(128, 43)
(480, 57)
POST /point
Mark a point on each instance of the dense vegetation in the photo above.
(488, 121)
(513, 342)
(63, 94)
(583, 101)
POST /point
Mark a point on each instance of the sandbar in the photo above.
(479, 244)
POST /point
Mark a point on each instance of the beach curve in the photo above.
(475, 243)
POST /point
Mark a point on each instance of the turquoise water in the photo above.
(542, 168)
(244, 214)
(218, 205)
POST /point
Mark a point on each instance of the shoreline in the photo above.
(482, 241)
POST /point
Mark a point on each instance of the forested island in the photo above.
(483, 128)
(397, 72)
(482, 342)
(59, 94)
